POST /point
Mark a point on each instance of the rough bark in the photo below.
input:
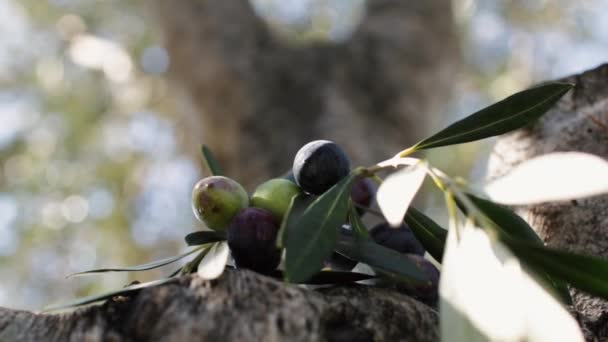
(239, 306)
(255, 98)
(579, 122)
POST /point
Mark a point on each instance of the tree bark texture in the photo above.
(579, 122)
(239, 306)
(256, 99)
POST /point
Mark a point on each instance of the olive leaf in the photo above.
(514, 112)
(397, 192)
(203, 237)
(586, 273)
(311, 237)
(504, 218)
(551, 177)
(430, 234)
(379, 257)
(214, 262)
(211, 163)
(143, 267)
(297, 206)
(486, 296)
(513, 225)
(106, 295)
(358, 227)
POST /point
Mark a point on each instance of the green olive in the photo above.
(275, 195)
(216, 200)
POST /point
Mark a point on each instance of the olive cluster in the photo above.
(252, 223)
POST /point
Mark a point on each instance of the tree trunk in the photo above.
(578, 123)
(256, 99)
(240, 306)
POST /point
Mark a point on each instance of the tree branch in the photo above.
(240, 306)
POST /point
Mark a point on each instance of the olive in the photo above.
(216, 200)
(319, 165)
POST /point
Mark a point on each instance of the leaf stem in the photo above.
(442, 181)
(407, 152)
(392, 163)
(454, 188)
(453, 214)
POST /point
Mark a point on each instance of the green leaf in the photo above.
(504, 218)
(379, 257)
(106, 295)
(514, 226)
(558, 287)
(356, 223)
(203, 237)
(311, 238)
(297, 206)
(212, 165)
(586, 273)
(330, 277)
(144, 267)
(430, 234)
(514, 112)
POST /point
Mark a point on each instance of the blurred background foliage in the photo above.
(93, 170)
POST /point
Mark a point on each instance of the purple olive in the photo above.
(400, 239)
(252, 240)
(428, 291)
(362, 194)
